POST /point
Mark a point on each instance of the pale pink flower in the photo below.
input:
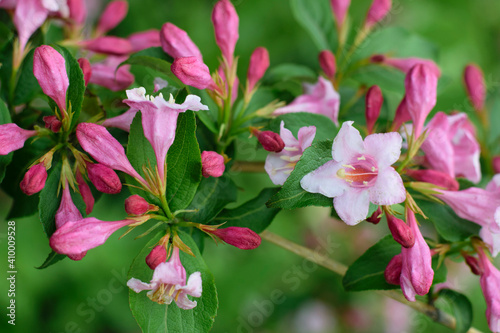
(359, 173)
(13, 137)
(169, 284)
(108, 75)
(490, 284)
(405, 64)
(112, 15)
(280, 165)
(176, 42)
(159, 84)
(122, 121)
(320, 98)
(226, 23)
(340, 8)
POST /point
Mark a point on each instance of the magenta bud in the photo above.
(86, 193)
(375, 217)
(136, 205)
(270, 141)
(475, 86)
(176, 42)
(77, 11)
(34, 180)
(144, 40)
(86, 69)
(405, 64)
(373, 103)
(340, 8)
(401, 232)
(157, 256)
(49, 68)
(104, 179)
(226, 22)
(193, 72)
(212, 164)
(474, 265)
(113, 14)
(496, 164)
(377, 12)
(393, 270)
(259, 62)
(13, 137)
(434, 177)
(401, 116)
(52, 123)
(328, 63)
(109, 45)
(242, 238)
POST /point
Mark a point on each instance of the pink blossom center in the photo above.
(165, 294)
(361, 172)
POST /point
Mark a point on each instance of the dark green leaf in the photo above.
(252, 214)
(440, 273)
(292, 195)
(367, 273)
(325, 128)
(52, 258)
(5, 35)
(4, 159)
(27, 86)
(461, 306)
(153, 317)
(154, 58)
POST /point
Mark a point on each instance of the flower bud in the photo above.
(401, 116)
(377, 12)
(12, 137)
(475, 86)
(113, 14)
(107, 74)
(34, 180)
(270, 141)
(405, 64)
(108, 45)
(86, 193)
(49, 68)
(77, 11)
(401, 232)
(86, 69)
(226, 22)
(176, 42)
(328, 63)
(392, 272)
(474, 265)
(373, 102)
(52, 123)
(157, 255)
(67, 210)
(192, 72)
(212, 164)
(375, 217)
(104, 179)
(242, 238)
(259, 62)
(136, 205)
(496, 164)
(340, 8)
(434, 177)
(144, 40)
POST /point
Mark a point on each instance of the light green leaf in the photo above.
(461, 306)
(325, 128)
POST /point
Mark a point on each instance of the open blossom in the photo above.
(359, 173)
(12, 137)
(490, 284)
(169, 284)
(320, 98)
(280, 165)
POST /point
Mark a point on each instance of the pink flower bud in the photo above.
(113, 14)
(375, 217)
(107, 74)
(270, 141)
(475, 86)
(373, 102)
(328, 63)
(157, 256)
(104, 179)
(192, 72)
(226, 22)
(490, 284)
(108, 45)
(52, 123)
(340, 8)
(421, 89)
(77, 11)
(377, 12)
(392, 272)
(259, 62)
(496, 164)
(405, 64)
(176, 43)
(434, 177)
(67, 210)
(86, 193)
(242, 238)
(12, 137)
(49, 68)
(401, 116)
(136, 205)
(144, 40)
(29, 15)
(401, 232)
(34, 180)
(212, 164)
(474, 265)
(86, 69)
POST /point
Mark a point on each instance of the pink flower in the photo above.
(377, 12)
(122, 121)
(193, 72)
(159, 119)
(169, 284)
(280, 165)
(401, 115)
(137, 205)
(13, 137)
(359, 173)
(109, 45)
(242, 238)
(475, 86)
(86, 69)
(226, 22)
(373, 105)
(320, 98)
(405, 64)
(434, 177)
(176, 43)
(212, 164)
(392, 272)
(108, 75)
(327, 62)
(34, 180)
(340, 8)
(259, 62)
(401, 232)
(77, 11)
(451, 146)
(112, 15)
(29, 15)
(86, 193)
(490, 284)
(144, 40)
(416, 273)
(104, 179)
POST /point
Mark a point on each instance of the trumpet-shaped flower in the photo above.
(12, 137)
(359, 173)
(169, 284)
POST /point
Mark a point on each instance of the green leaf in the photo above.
(367, 273)
(291, 194)
(447, 223)
(49, 200)
(461, 306)
(27, 86)
(253, 214)
(154, 58)
(183, 164)
(4, 159)
(285, 72)
(5, 35)
(315, 16)
(325, 128)
(440, 273)
(212, 196)
(52, 258)
(153, 317)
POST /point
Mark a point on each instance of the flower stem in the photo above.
(165, 207)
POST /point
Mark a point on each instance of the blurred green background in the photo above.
(268, 289)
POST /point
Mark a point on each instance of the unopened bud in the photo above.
(108, 45)
(144, 40)
(496, 164)
(157, 256)
(212, 164)
(373, 102)
(226, 23)
(104, 179)
(393, 270)
(242, 238)
(77, 11)
(377, 12)
(270, 141)
(137, 205)
(86, 69)
(328, 63)
(401, 116)
(339, 8)
(259, 62)
(86, 193)
(475, 86)
(434, 177)
(113, 14)
(474, 265)
(52, 123)
(176, 42)
(34, 180)
(193, 72)
(375, 217)
(401, 232)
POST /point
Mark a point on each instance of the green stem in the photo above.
(165, 207)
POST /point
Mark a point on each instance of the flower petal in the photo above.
(352, 206)
(194, 285)
(287, 136)
(138, 286)
(385, 148)
(347, 143)
(306, 136)
(324, 180)
(388, 188)
(277, 168)
(184, 303)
